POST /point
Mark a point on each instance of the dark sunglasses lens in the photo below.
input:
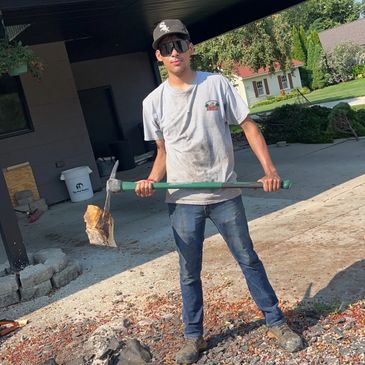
(181, 46)
(167, 48)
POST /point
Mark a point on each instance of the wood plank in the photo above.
(20, 177)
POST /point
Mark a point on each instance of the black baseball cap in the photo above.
(168, 26)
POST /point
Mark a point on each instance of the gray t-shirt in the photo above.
(195, 127)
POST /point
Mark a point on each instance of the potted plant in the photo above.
(16, 59)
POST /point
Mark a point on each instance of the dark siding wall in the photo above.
(59, 128)
(131, 79)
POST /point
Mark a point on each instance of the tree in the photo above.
(318, 75)
(319, 15)
(265, 42)
(298, 50)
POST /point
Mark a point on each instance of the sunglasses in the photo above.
(179, 45)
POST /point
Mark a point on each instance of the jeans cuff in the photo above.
(277, 323)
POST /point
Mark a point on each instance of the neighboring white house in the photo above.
(257, 86)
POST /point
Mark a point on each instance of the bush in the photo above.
(339, 119)
(297, 123)
(341, 61)
(360, 116)
(273, 99)
(235, 129)
(358, 71)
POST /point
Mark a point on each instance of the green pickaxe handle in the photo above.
(128, 185)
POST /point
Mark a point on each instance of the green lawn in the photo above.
(344, 90)
(358, 107)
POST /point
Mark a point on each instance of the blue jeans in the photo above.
(188, 225)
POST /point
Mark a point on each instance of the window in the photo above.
(14, 115)
(284, 82)
(260, 88)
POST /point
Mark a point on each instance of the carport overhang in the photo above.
(100, 28)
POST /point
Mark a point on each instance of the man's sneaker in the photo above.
(285, 337)
(190, 351)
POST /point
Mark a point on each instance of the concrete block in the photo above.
(53, 257)
(35, 291)
(39, 204)
(8, 291)
(58, 263)
(42, 256)
(71, 272)
(9, 299)
(34, 275)
(23, 208)
(25, 201)
(23, 194)
(8, 284)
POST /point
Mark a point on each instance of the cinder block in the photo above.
(8, 284)
(23, 194)
(23, 208)
(39, 204)
(34, 275)
(42, 256)
(58, 262)
(35, 291)
(8, 290)
(71, 272)
(9, 299)
(25, 201)
(53, 257)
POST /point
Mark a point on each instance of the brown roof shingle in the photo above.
(350, 32)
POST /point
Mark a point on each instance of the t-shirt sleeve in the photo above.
(151, 125)
(236, 109)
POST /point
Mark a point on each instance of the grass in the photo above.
(344, 90)
(358, 107)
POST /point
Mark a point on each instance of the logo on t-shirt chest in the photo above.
(212, 105)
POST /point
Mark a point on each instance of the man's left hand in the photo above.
(270, 182)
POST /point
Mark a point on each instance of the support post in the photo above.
(10, 232)
(3, 33)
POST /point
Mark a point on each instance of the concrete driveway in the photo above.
(311, 237)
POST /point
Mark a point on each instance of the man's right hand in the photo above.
(144, 188)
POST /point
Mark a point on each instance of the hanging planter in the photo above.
(17, 70)
(16, 59)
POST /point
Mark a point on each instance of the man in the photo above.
(188, 116)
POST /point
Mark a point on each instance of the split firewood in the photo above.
(99, 226)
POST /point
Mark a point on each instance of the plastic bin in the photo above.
(122, 152)
(105, 165)
(78, 183)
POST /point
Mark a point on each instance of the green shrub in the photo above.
(305, 90)
(338, 126)
(273, 99)
(297, 123)
(360, 116)
(358, 71)
(235, 129)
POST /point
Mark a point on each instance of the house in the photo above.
(351, 32)
(99, 67)
(257, 86)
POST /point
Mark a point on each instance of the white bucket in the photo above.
(78, 183)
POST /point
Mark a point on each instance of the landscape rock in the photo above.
(134, 353)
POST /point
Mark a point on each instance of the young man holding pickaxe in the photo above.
(188, 116)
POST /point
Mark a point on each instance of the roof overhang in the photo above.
(125, 26)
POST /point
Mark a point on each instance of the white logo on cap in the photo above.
(164, 27)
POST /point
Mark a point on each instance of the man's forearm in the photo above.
(158, 171)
